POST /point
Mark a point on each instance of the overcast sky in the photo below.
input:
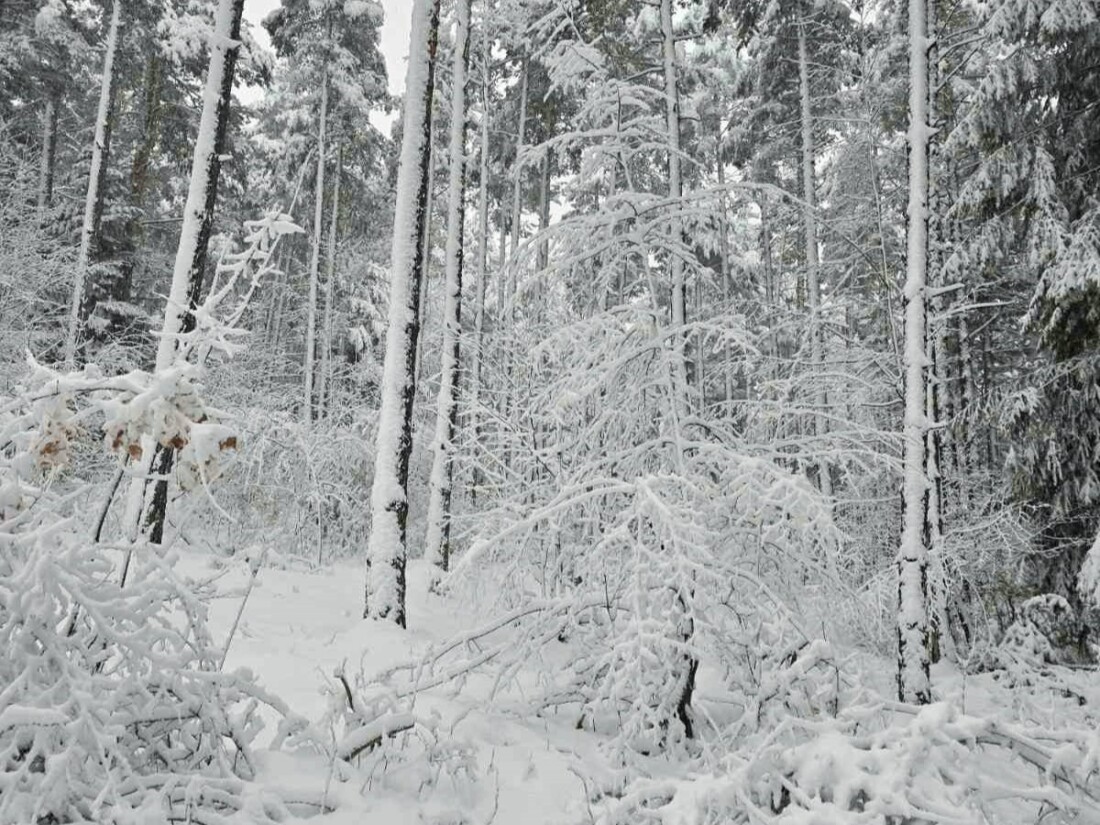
(395, 34)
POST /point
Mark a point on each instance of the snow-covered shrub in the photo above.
(652, 543)
(1046, 631)
(113, 706)
(295, 489)
(878, 765)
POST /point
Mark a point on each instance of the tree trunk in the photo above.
(724, 258)
(544, 209)
(771, 282)
(198, 219)
(315, 256)
(97, 176)
(325, 388)
(49, 149)
(476, 353)
(913, 678)
(386, 550)
(813, 288)
(425, 273)
(678, 405)
(438, 544)
(675, 192)
(517, 192)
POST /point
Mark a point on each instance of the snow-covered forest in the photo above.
(663, 411)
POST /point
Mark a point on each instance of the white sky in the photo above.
(395, 34)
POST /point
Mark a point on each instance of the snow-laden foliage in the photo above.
(879, 763)
(663, 543)
(114, 707)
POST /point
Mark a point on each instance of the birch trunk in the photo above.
(190, 262)
(386, 550)
(913, 678)
(315, 256)
(49, 149)
(438, 544)
(93, 200)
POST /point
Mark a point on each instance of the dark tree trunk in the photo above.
(164, 457)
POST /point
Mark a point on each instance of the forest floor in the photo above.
(300, 627)
(474, 758)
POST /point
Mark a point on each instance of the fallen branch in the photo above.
(371, 735)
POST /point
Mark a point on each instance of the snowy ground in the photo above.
(299, 627)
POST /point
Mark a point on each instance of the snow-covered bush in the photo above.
(296, 489)
(648, 543)
(114, 707)
(876, 764)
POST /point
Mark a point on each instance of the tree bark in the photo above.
(517, 191)
(324, 390)
(386, 550)
(544, 209)
(198, 220)
(676, 193)
(813, 288)
(913, 677)
(724, 258)
(438, 543)
(97, 177)
(49, 149)
(678, 405)
(315, 256)
(476, 353)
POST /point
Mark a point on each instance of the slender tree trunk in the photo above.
(544, 209)
(724, 257)
(198, 219)
(913, 678)
(93, 200)
(425, 272)
(438, 544)
(49, 149)
(476, 353)
(315, 257)
(330, 277)
(678, 405)
(771, 283)
(386, 550)
(813, 288)
(517, 191)
(676, 192)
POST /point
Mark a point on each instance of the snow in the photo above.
(299, 629)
